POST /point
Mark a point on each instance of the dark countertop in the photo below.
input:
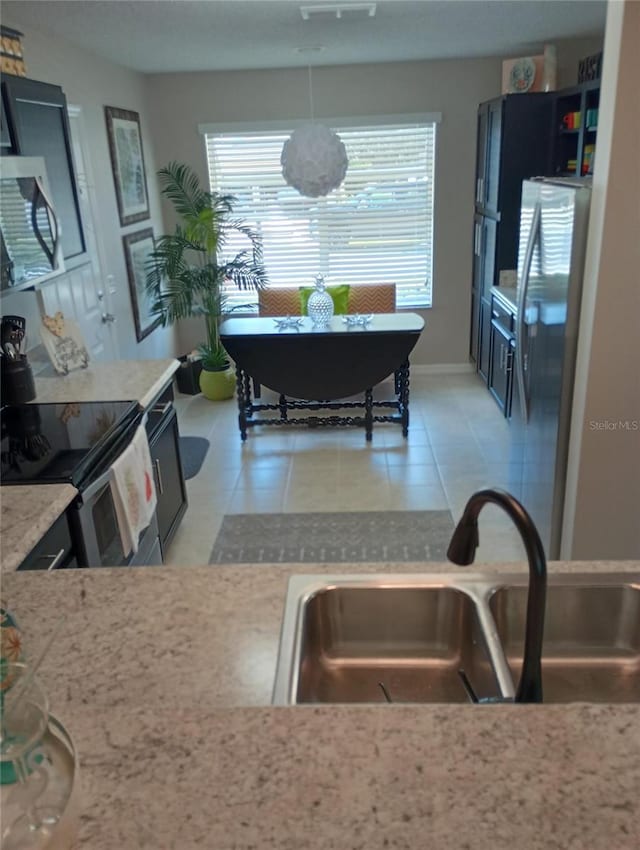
(508, 296)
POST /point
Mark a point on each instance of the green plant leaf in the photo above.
(184, 274)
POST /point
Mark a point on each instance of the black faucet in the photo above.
(462, 550)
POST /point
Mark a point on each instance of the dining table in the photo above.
(328, 372)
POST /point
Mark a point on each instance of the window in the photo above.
(377, 227)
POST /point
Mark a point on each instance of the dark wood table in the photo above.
(314, 368)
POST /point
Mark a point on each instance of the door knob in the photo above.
(108, 318)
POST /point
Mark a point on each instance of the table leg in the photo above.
(247, 395)
(368, 413)
(282, 404)
(242, 410)
(404, 397)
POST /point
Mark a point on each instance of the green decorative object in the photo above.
(339, 295)
(186, 275)
(217, 384)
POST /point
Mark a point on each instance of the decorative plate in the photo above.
(64, 343)
(522, 75)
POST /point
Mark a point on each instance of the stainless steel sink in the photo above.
(343, 635)
(412, 639)
(591, 649)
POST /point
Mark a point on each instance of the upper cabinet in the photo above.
(514, 142)
(575, 129)
(490, 150)
(37, 125)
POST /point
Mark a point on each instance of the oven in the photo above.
(77, 444)
(93, 520)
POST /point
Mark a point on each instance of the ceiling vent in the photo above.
(339, 10)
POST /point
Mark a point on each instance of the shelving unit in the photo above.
(574, 147)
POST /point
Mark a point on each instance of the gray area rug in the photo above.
(333, 538)
(193, 451)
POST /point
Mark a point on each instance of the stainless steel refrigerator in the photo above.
(554, 219)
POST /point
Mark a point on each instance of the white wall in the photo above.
(92, 83)
(178, 103)
(602, 516)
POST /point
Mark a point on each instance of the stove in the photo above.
(76, 444)
(62, 443)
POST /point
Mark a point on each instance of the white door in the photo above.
(84, 293)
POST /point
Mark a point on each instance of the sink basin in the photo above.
(413, 639)
(591, 649)
(343, 635)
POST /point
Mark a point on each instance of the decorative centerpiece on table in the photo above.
(320, 303)
(187, 272)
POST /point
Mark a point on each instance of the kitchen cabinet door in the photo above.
(500, 370)
(484, 344)
(493, 155)
(164, 446)
(489, 248)
(475, 325)
(54, 551)
(481, 152)
(37, 114)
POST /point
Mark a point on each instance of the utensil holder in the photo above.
(18, 385)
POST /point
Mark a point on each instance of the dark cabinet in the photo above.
(501, 366)
(475, 325)
(164, 446)
(38, 125)
(54, 551)
(484, 334)
(490, 148)
(501, 354)
(514, 142)
(575, 129)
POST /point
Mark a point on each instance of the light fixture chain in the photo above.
(311, 94)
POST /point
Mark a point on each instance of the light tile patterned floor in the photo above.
(458, 441)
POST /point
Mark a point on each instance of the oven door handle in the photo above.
(97, 485)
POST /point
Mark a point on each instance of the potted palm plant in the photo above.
(186, 273)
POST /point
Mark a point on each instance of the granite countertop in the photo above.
(118, 380)
(164, 675)
(26, 514)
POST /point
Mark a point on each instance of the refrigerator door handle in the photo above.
(522, 304)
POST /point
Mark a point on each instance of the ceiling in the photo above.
(182, 35)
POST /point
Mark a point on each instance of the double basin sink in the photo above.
(370, 639)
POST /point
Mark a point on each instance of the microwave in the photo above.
(29, 229)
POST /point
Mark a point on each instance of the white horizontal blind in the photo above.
(377, 227)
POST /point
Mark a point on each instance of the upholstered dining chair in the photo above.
(363, 299)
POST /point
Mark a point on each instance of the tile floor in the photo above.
(458, 441)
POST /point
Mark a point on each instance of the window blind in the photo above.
(377, 227)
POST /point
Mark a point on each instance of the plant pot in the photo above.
(217, 384)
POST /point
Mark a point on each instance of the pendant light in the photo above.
(314, 159)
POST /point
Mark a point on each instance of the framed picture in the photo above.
(127, 164)
(137, 247)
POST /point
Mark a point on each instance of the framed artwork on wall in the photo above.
(137, 248)
(127, 164)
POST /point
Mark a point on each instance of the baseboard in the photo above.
(442, 368)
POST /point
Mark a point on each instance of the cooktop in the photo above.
(61, 443)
